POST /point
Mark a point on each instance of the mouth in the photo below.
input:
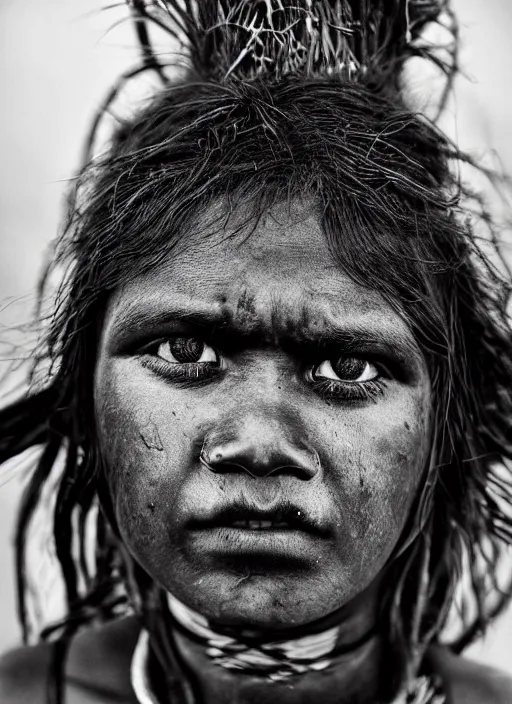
(246, 537)
(270, 524)
(249, 518)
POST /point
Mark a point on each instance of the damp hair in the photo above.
(397, 217)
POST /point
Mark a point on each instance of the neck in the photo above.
(340, 663)
(349, 680)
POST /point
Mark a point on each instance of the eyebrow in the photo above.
(145, 318)
(139, 320)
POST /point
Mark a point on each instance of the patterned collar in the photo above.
(425, 690)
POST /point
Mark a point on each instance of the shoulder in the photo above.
(23, 674)
(469, 682)
(100, 655)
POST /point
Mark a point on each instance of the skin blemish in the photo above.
(241, 579)
(407, 426)
(365, 495)
(151, 437)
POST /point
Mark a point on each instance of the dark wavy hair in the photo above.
(397, 218)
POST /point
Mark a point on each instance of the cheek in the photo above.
(383, 451)
(147, 450)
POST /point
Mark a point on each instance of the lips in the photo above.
(240, 536)
(243, 517)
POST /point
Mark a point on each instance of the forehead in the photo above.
(286, 242)
(265, 272)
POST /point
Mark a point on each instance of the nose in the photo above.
(260, 447)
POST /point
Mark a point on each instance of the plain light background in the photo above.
(57, 60)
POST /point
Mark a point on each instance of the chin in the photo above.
(262, 601)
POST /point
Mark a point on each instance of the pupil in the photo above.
(348, 368)
(186, 349)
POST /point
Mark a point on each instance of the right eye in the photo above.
(186, 350)
(182, 359)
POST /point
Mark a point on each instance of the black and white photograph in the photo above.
(256, 352)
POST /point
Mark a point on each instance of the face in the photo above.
(264, 421)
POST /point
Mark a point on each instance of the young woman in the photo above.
(277, 377)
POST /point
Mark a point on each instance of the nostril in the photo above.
(262, 459)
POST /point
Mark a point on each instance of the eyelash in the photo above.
(180, 372)
(350, 391)
(195, 372)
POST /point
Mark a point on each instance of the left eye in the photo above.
(186, 350)
(347, 369)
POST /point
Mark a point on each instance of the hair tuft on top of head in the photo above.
(250, 39)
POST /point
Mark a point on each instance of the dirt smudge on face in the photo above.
(151, 437)
(365, 493)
